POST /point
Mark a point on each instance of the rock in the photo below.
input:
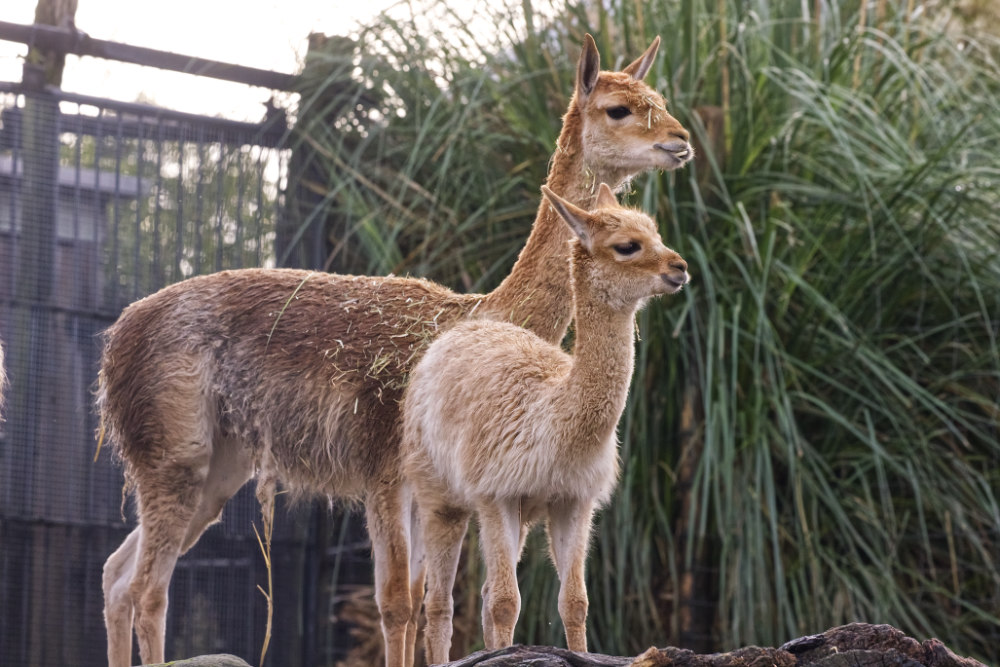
(863, 640)
(854, 645)
(216, 660)
(538, 656)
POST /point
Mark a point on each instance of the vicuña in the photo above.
(503, 423)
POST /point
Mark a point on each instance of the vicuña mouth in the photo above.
(677, 149)
(673, 283)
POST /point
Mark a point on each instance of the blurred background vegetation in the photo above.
(812, 434)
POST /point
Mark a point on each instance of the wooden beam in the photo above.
(81, 44)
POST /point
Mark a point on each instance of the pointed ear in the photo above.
(577, 219)
(638, 69)
(588, 68)
(606, 197)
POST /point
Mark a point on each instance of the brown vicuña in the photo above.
(295, 377)
(500, 422)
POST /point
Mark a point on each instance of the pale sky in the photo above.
(269, 34)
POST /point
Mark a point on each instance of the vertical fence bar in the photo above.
(78, 271)
(116, 201)
(178, 272)
(199, 217)
(140, 205)
(154, 283)
(238, 247)
(220, 176)
(260, 213)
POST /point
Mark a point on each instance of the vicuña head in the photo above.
(616, 126)
(498, 421)
(619, 257)
(624, 122)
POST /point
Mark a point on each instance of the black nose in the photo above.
(679, 264)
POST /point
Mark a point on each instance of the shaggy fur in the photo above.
(296, 376)
(499, 422)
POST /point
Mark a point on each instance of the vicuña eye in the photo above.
(618, 112)
(629, 248)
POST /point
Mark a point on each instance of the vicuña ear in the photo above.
(606, 197)
(588, 68)
(638, 69)
(577, 219)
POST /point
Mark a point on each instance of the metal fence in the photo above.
(102, 203)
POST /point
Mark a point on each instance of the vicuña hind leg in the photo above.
(230, 468)
(118, 572)
(384, 508)
(166, 511)
(499, 532)
(569, 533)
(181, 488)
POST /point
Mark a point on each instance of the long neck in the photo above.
(537, 294)
(595, 390)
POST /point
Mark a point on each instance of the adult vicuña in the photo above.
(295, 376)
(499, 422)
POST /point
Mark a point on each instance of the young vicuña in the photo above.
(295, 377)
(500, 422)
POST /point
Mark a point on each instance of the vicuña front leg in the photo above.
(569, 533)
(444, 528)
(487, 616)
(500, 529)
(418, 573)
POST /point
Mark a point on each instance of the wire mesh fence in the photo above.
(102, 203)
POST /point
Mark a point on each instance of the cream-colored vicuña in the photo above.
(295, 377)
(500, 422)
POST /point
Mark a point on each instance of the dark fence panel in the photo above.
(102, 203)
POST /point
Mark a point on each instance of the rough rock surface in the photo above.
(216, 660)
(854, 645)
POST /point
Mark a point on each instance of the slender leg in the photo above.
(384, 509)
(417, 578)
(118, 572)
(166, 511)
(500, 532)
(444, 528)
(569, 534)
(488, 626)
(137, 594)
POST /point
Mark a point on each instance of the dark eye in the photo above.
(629, 248)
(618, 112)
